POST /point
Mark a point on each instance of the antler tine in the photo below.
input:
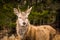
(19, 9)
(28, 6)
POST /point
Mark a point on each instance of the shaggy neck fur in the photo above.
(22, 30)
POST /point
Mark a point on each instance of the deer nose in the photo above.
(24, 23)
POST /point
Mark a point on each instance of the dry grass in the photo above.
(57, 37)
(12, 37)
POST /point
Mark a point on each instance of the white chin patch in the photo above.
(24, 25)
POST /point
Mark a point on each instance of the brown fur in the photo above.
(43, 32)
(39, 33)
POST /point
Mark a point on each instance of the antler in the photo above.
(19, 9)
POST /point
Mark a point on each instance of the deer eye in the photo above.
(20, 17)
(26, 18)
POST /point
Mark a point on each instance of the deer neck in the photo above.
(22, 30)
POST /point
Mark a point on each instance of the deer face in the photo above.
(22, 16)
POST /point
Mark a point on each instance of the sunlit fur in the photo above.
(43, 32)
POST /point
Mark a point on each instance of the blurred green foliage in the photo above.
(43, 12)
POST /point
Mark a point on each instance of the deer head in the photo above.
(22, 16)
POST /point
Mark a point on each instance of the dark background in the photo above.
(43, 12)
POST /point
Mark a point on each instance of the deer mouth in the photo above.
(24, 26)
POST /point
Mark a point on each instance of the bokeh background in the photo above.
(43, 12)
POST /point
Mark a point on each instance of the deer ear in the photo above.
(28, 10)
(16, 11)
